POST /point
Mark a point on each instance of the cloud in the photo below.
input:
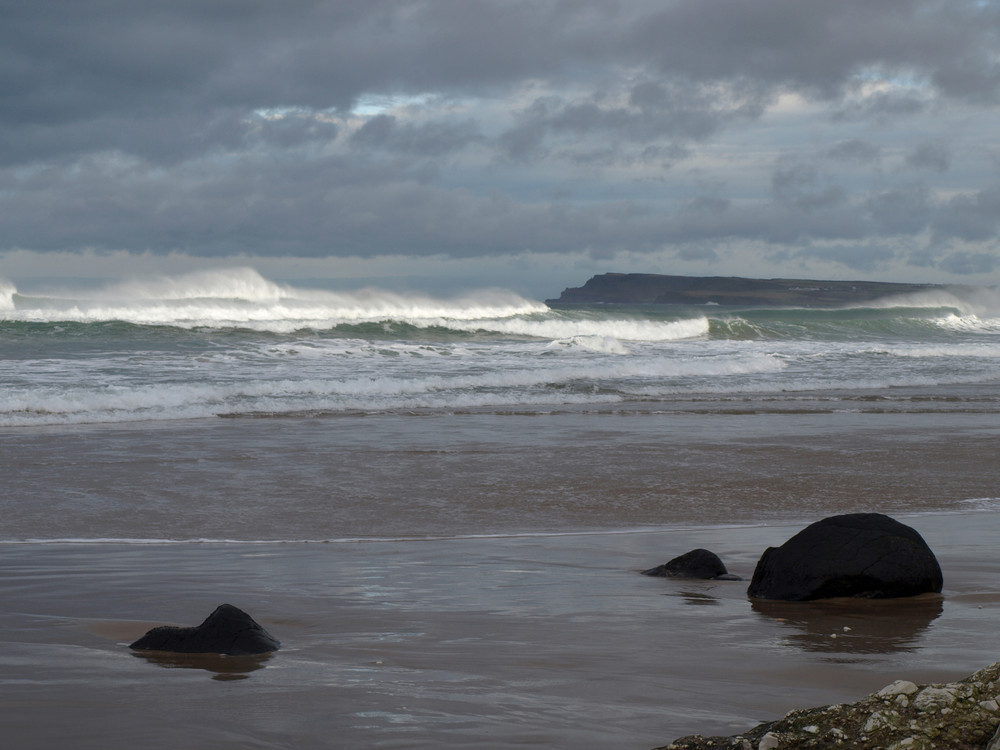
(969, 216)
(481, 128)
(899, 211)
(933, 156)
(970, 264)
(425, 139)
(854, 149)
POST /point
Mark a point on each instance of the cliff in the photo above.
(649, 288)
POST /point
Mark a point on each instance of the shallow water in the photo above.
(446, 474)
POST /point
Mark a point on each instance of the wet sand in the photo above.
(477, 581)
(542, 641)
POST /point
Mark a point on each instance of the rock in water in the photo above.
(698, 563)
(228, 630)
(862, 555)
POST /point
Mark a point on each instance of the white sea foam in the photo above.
(603, 344)
(968, 302)
(241, 297)
(7, 292)
(978, 350)
(932, 298)
(496, 351)
(567, 328)
(983, 504)
(970, 323)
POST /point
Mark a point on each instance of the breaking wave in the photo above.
(242, 298)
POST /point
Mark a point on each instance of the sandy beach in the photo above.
(507, 641)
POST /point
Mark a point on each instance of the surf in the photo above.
(241, 298)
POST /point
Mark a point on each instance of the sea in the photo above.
(441, 506)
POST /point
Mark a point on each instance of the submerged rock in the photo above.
(862, 555)
(228, 630)
(698, 563)
(901, 716)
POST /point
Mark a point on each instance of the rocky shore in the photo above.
(961, 715)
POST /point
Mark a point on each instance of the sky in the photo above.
(453, 144)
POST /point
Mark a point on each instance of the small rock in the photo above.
(899, 687)
(698, 563)
(880, 720)
(228, 630)
(933, 697)
(769, 742)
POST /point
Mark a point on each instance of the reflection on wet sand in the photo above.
(854, 626)
(698, 597)
(222, 666)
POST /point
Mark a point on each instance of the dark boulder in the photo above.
(865, 555)
(228, 630)
(698, 563)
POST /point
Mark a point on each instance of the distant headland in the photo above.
(658, 289)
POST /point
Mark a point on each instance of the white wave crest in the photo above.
(7, 292)
(241, 297)
(590, 330)
(969, 323)
(967, 301)
(231, 284)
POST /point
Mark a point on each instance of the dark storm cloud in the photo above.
(674, 112)
(900, 211)
(970, 216)
(447, 126)
(868, 259)
(70, 63)
(933, 156)
(854, 149)
(429, 139)
(970, 264)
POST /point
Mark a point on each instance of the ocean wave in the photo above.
(372, 379)
(981, 504)
(241, 298)
(970, 323)
(847, 324)
(7, 292)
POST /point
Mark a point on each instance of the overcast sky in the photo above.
(447, 143)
